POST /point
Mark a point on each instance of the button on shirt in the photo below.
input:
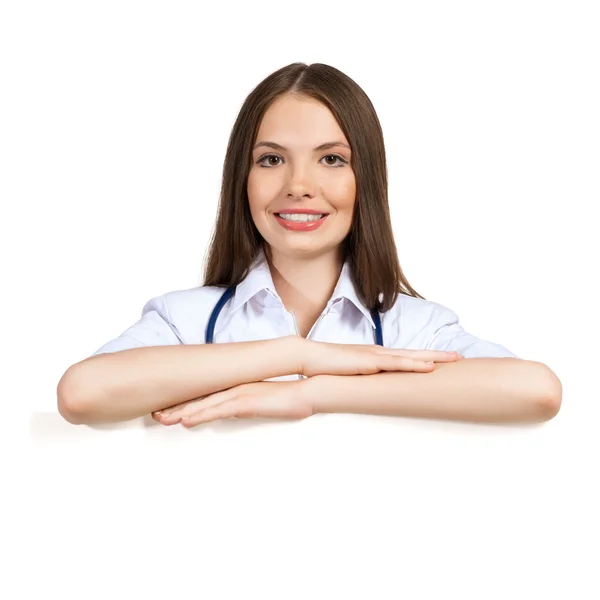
(256, 312)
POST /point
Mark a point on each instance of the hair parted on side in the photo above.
(369, 247)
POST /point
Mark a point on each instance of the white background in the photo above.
(114, 120)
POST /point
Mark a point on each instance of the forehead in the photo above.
(291, 119)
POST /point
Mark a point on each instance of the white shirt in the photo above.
(256, 312)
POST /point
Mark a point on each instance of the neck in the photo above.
(305, 284)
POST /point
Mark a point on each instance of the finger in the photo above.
(175, 415)
(401, 363)
(450, 357)
(167, 423)
(216, 398)
(192, 407)
(225, 410)
(168, 420)
(435, 356)
(165, 412)
(427, 355)
(447, 357)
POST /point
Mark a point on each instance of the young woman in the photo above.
(304, 307)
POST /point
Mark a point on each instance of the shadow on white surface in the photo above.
(47, 425)
(51, 425)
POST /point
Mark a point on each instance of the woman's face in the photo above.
(297, 176)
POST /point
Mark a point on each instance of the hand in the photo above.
(324, 358)
(274, 399)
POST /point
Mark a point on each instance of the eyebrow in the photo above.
(324, 146)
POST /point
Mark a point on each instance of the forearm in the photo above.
(124, 385)
(478, 389)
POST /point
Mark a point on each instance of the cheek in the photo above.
(343, 194)
(252, 189)
(260, 191)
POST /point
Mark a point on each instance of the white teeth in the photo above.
(300, 217)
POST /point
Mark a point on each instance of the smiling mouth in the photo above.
(301, 217)
(297, 222)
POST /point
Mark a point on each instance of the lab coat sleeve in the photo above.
(153, 329)
(446, 333)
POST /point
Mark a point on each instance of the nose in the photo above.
(300, 181)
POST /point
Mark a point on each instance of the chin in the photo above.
(303, 250)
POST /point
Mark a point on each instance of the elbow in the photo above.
(69, 404)
(550, 401)
(548, 407)
(69, 412)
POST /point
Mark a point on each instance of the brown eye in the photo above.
(265, 161)
(335, 157)
(261, 161)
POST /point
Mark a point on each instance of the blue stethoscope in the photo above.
(230, 291)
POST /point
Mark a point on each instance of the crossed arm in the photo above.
(131, 383)
(476, 389)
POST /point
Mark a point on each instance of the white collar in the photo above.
(259, 279)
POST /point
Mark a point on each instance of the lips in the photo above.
(300, 225)
(301, 211)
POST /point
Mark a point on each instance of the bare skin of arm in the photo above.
(124, 385)
(485, 390)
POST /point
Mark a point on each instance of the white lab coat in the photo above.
(256, 312)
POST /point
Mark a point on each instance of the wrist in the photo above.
(335, 393)
(308, 390)
(298, 349)
(315, 389)
(283, 356)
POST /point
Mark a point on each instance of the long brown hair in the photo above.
(369, 247)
